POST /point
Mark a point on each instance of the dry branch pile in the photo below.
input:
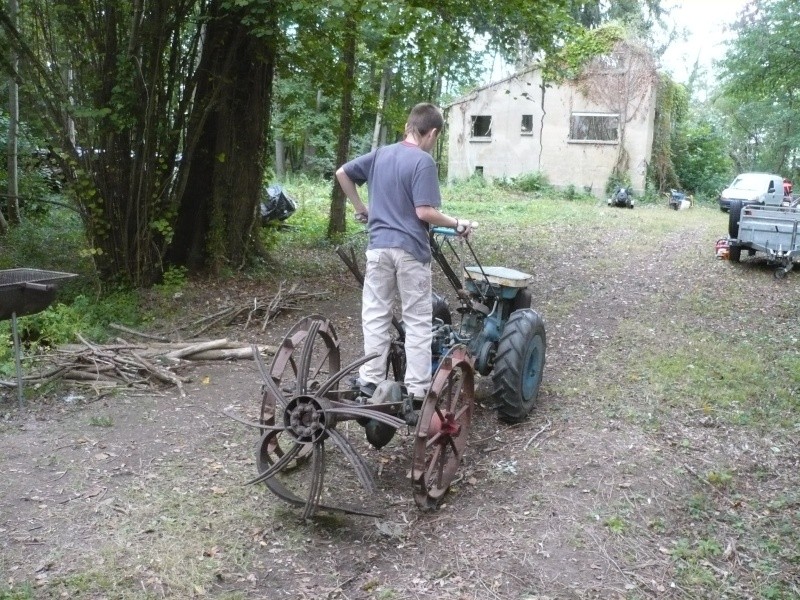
(125, 364)
(159, 361)
(261, 311)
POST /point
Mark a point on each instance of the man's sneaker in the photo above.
(366, 388)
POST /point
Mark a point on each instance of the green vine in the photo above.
(672, 107)
(583, 45)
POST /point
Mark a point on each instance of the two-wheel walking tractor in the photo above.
(308, 397)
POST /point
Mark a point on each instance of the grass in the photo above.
(101, 421)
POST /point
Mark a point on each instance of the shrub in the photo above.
(531, 182)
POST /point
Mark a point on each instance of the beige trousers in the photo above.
(391, 272)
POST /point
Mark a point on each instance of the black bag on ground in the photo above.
(276, 205)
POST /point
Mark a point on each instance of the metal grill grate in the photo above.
(15, 277)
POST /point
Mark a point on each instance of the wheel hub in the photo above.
(305, 419)
(446, 425)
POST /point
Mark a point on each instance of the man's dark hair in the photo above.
(424, 117)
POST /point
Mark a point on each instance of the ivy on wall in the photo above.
(672, 108)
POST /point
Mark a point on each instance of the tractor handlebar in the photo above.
(451, 231)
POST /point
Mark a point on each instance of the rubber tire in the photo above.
(734, 214)
(523, 299)
(441, 310)
(735, 253)
(519, 364)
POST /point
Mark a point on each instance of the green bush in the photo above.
(531, 182)
(53, 241)
(61, 323)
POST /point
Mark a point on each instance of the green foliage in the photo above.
(582, 46)
(672, 107)
(721, 479)
(759, 83)
(61, 323)
(173, 280)
(101, 421)
(529, 182)
(616, 181)
(700, 157)
(616, 524)
(53, 241)
(24, 592)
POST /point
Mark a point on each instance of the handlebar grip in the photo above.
(452, 230)
(444, 230)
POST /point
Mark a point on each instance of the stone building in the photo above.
(577, 133)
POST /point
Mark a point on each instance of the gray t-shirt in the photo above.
(399, 177)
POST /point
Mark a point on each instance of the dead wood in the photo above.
(155, 359)
(134, 365)
(230, 353)
(195, 348)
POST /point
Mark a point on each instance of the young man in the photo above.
(404, 200)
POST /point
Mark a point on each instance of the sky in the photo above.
(705, 22)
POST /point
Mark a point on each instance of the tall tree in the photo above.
(12, 204)
(435, 32)
(110, 80)
(760, 87)
(129, 87)
(226, 140)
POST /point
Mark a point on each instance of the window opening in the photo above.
(589, 127)
(527, 124)
(482, 126)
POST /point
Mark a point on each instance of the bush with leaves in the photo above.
(701, 159)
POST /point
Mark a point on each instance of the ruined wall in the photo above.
(624, 87)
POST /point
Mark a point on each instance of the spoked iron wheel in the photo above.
(443, 428)
(311, 341)
(310, 346)
(299, 413)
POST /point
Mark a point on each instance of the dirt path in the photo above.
(139, 496)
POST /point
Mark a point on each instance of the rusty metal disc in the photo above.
(443, 428)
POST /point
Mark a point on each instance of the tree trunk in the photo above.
(309, 149)
(336, 224)
(226, 147)
(13, 131)
(376, 133)
(280, 158)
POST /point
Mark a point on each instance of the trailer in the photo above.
(771, 230)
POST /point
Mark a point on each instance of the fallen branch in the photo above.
(537, 434)
(194, 348)
(230, 353)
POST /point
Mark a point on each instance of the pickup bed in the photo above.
(772, 230)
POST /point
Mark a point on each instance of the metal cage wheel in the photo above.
(443, 428)
(308, 354)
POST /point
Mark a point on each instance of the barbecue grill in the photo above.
(26, 292)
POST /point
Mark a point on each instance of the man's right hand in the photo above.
(464, 227)
(361, 217)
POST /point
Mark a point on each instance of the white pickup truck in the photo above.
(768, 229)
